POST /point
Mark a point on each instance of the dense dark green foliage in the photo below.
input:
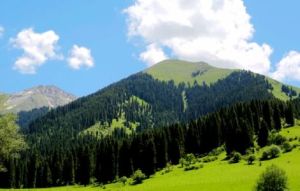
(273, 179)
(288, 91)
(164, 100)
(86, 157)
(58, 155)
(26, 117)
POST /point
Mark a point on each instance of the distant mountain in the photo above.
(34, 98)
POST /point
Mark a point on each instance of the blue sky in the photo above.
(102, 28)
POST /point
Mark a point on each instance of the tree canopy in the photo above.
(11, 141)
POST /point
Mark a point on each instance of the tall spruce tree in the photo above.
(263, 134)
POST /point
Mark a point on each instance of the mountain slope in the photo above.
(34, 98)
(164, 94)
(188, 72)
(157, 102)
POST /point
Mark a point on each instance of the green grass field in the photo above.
(217, 176)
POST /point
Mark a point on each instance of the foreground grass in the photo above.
(217, 176)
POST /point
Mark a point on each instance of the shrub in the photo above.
(273, 179)
(210, 159)
(123, 180)
(188, 162)
(138, 177)
(250, 151)
(274, 151)
(271, 152)
(276, 139)
(192, 167)
(217, 151)
(236, 157)
(287, 147)
(251, 159)
(168, 168)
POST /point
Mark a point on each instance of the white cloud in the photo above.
(152, 55)
(215, 31)
(79, 57)
(1, 31)
(37, 47)
(288, 68)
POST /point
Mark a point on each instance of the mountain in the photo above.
(188, 72)
(169, 92)
(149, 119)
(34, 98)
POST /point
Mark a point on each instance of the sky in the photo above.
(83, 46)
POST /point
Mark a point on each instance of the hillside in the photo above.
(142, 123)
(188, 72)
(159, 101)
(149, 100)
(34, 98)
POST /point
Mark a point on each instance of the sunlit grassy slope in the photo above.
(277, 89)
(182, 71)
(217, 176)
(103, 129)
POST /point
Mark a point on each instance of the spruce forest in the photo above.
(60, 154)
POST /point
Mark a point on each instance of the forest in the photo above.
(89, 159)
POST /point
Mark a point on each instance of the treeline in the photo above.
(84, 160)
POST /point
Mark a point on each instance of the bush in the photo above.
(274, 151)
(168, 168)
(271, 152)
(273, 179)
(187, 160)
(192, 167)
(217, 151)
(251, 159)
(236, 157)
(138, 177)
(250, 151)
(276, 139)
(123, 180)
(287, 147)
(210, 159)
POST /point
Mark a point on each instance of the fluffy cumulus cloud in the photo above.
(37, 49)
(80, 57)
(288, 68)
(215, 31)
(153, 54)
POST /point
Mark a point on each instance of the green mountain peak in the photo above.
(188, 72)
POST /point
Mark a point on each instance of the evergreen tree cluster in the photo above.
(86, 159)
(288, 91)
